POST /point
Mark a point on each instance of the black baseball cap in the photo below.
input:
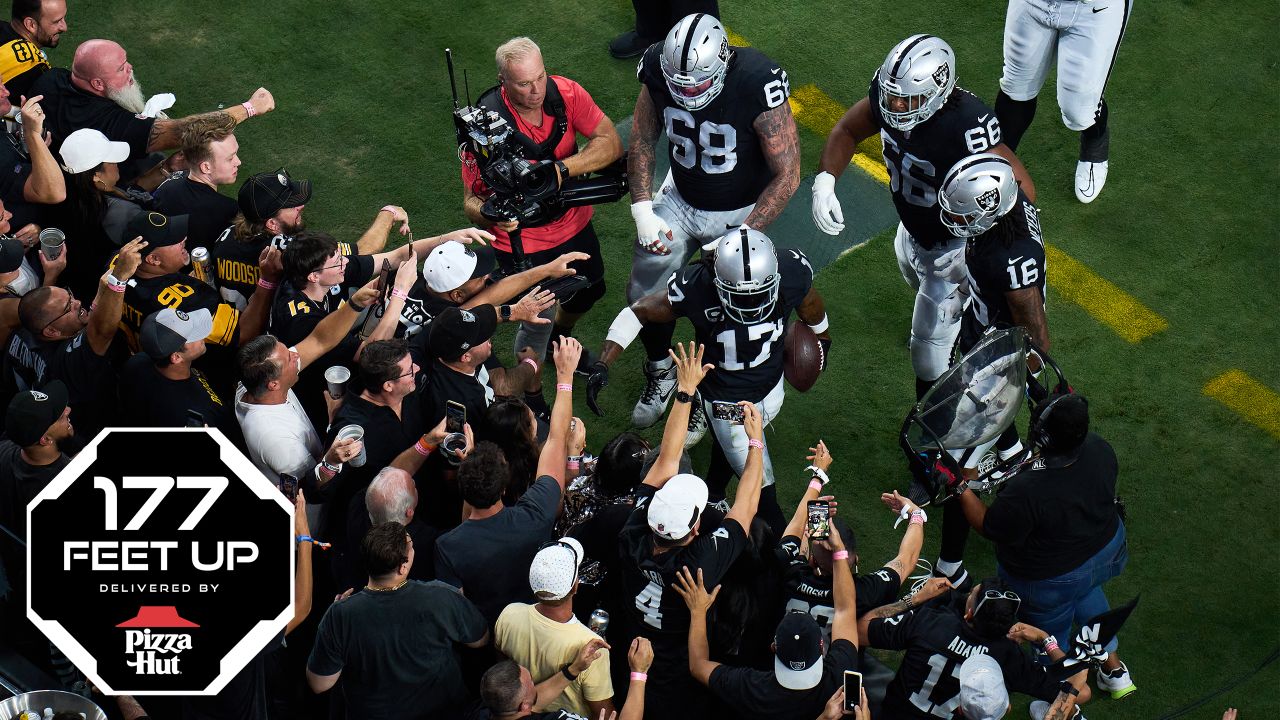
(455, 331)
(157, 230)
(265, 194)
(32, 412)
(797, 661)
(11, 252)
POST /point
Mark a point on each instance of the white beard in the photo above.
(131, 98)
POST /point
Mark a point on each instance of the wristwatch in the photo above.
(504, 313)
(684, 397)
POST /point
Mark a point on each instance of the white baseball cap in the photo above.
(86, 149)
(982, 692)
(452, 264)
(554, 570)
(677, 505)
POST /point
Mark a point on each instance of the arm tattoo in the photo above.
(896, 566)
(167, 134)
(781, 144)
(644, 137)
(1027, 307)
(890, 610)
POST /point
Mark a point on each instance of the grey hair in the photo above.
(515, 50)
(390, 496)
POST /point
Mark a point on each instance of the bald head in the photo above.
(391, 497)
(101, 66)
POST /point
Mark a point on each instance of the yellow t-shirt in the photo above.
(544, 646)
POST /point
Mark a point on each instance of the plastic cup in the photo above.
(336, 378)
(357, 432)
(51, 241)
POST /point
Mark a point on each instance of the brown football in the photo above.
(803, 363)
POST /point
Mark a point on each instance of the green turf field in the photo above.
(1184, 228)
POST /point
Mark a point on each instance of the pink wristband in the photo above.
(530, 362)
(1051, 646)
(397, 292)
(267, 284)
(639, 676)
(116, 288)
(564, 387)
(840, 555)
(917, 517)
(422, 448)
(248, 107)
(755, 444)
(815, 485)
(573, 465)
(388, 208)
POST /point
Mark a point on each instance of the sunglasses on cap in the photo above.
(998, 595)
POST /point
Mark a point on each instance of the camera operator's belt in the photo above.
(552, 104)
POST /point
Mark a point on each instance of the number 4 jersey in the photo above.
(716, 158)
(918, 160)
(748, 358)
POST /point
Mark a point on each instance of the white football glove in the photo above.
(827, 214)
(652, 232)
(951, 266)
(951, 308)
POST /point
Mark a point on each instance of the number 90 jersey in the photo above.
(918, 160)
(715, 154)
(748, 358)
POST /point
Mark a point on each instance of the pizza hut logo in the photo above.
(156, 653)
(798, 665)
(942, 75)
(989, 200)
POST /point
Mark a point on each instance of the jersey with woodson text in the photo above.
(716, 158)
(748, 358)
(1008, 257)
(235, 263)
(808, 592)
(918, 160)
(937, 641)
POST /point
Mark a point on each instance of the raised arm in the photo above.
(167, 134)
(45, 184)
(640, 658)
(108, 304)
(930, 590)
(650, 309)
(512, 285)
(334, 327)
(689, 373)
(554, 450)
(852, 128)
(253, 321)
(781, 145)
(747, 499)
(845, 624)
(301, 574)
(699, 601)
(375, 238)
(821, 459)
(913, 540)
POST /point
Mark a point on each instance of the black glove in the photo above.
(597, 379)
(825, 344)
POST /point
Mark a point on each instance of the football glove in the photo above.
(827, 214)
(951, 265)
(597, 379)
(652, 232)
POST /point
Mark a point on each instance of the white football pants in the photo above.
(935, 320)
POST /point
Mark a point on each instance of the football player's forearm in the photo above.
(1026, 306)
(609, 352)
(644, 138)
(843, 140)
(781, 144)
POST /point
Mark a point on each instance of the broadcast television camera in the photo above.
(524, 188)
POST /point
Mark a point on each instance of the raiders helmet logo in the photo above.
(942, 75)
(798, 666)
(38, 396)
(467, 316)
(181, 315)
(989, 200)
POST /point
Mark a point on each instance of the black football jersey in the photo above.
(937, 641)
(143, 296)
(808, 592)
(235, 263)
(420, 308)
(748, 358)
(918, 160)
(716, 158)
(1008, 257)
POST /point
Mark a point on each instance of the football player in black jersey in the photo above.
(735, 160)
(926, 124)
(938, 639)
(739, 302)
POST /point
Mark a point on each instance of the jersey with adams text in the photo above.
(716, 156)
(918, 160)
(808, 592)
(748, 358)
(235, 263)
(1008, 257)
(937, 641)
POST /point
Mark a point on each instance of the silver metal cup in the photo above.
(336, 378)
(51, 242)
(357, 432)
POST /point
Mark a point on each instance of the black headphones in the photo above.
(1038, 432)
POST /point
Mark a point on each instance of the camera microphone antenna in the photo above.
(453, 86)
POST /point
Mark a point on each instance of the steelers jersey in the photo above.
(918, 160)
(21, 62)
(1008, 257)
(748, 358)
(235, 263)
(716, 158)
(143, 296)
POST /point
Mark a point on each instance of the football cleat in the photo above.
(697, 424)
(628, 45)
(1090, 179)
(659, 386)
(1118, 682)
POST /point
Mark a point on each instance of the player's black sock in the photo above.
(1015, 117)
(1095, 140)
(1007, 440)
(955, 532)
(922, 387)
(657, 340)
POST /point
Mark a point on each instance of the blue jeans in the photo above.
(1056, 604)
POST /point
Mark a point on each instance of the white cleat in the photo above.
(659, 386)
(1090, 179)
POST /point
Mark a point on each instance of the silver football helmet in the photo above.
(920, 70)
(747, 279)
(695, 60)
(977, 191)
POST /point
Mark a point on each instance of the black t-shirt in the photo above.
(1050, 519)
(753, 694)
(444, 383)
(149, 399)
(209, 211)
(396, 650)
(748, 358)
(20, 482)
(937, 641)
(419, 310)
(15, 168)
(918, 160)
(68, 109)
(21, 63)
(808, 592)
(997, 266)
(716, 158)
(385, 437)
(489, 559)
(89, 377)
(244, 698)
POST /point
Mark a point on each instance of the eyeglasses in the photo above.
(342, 260)
(71, 299)
(998, 595)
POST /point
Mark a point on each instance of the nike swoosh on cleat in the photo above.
(1098, 10)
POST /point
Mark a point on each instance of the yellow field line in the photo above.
(1107, 303)
(1248, 398)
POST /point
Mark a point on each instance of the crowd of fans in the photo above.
(483, 562)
